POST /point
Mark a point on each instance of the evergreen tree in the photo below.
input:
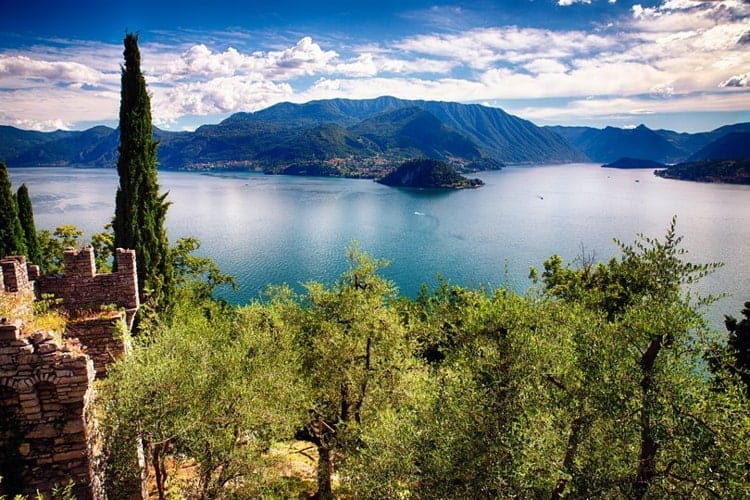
(11, 233)
(26, 218)
(140, 210)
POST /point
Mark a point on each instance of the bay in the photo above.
(277, 229)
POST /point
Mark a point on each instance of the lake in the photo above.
(275, 229)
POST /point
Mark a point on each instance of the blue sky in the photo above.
(677, 64)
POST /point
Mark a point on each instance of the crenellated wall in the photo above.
(82, 289)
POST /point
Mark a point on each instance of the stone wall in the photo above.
(104, 337)
(45, 388)
(48, 434)
(82, 289)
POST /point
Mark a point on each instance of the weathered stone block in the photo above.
(42, 431)
(69, 455)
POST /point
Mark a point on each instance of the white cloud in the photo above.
(42, 125)
(23, 71)
(362, 66)
(304, 58)
(218, 95)
(46, 108)
(566, 3)
(545, 66)
(737, 81)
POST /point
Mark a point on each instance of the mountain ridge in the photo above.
(338, 136)
(364, 138)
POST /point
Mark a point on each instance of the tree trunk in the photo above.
(649, 447)
(160, 474)
(325, 469)
(570, 453)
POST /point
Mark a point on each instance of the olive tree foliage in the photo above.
(355, 360)
(594, 387)
(216, 385)
(199, 273)
(52, 246)
(675, 432)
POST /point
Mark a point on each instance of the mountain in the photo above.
(411, 132)
(15, 141)
(694, 142)
(611, 143)
(501, 136)
(426, 173)
(733, 146)
(329, 137)
(663, 146)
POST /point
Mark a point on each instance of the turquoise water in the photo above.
(275, 229)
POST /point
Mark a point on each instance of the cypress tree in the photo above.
(140, 210)
(11, 234)
(26, 218)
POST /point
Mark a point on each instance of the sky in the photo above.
(682, 65)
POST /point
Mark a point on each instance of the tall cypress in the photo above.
(11, 234)
(140, 210)
(26, 218)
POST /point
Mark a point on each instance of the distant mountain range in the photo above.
(663, 146)
(328, 137)
(371, 137)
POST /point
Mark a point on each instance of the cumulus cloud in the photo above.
(49, 108)
(304, 58)
(41, 125)
(218, 95)
(20, 71)
(545, 66)
(737, 81)
(627, 109)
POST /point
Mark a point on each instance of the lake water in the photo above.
(274, 229)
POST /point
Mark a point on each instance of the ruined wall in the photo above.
(82, 289)
(45, 388)
(104, 337)
(48, 434)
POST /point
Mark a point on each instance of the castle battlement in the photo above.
(81, 288)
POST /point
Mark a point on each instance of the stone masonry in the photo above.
(45, 388)
(47, 433)
(83, 290)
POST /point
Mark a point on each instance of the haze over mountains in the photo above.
(371, 136)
